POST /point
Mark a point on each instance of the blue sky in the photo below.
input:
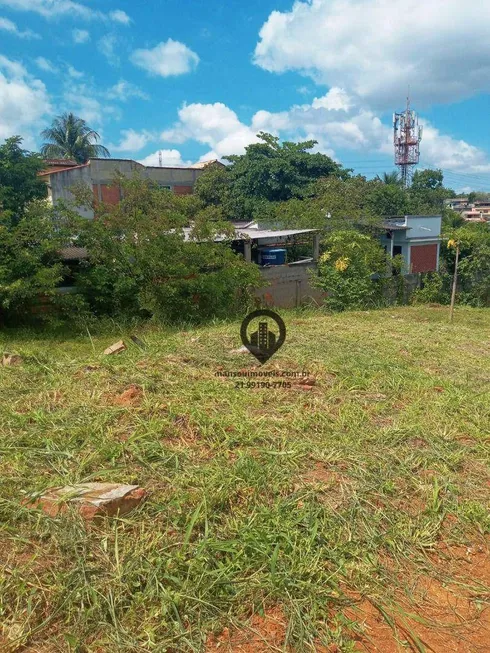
(198, 79)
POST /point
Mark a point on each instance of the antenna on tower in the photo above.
(407, 135)
(160, 158)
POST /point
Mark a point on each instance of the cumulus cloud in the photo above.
(169, 158)
(215, 125)
(80, 36)
(24, 102)
(131, 141)
(70, 8)
(452, 154)
(9, 26)
(377, 48)
(337, 121)
(166, 59)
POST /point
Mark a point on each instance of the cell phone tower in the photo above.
(407, 137)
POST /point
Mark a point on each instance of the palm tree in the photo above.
(69, 137)
(390, 178)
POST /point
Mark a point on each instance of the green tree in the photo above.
(30, 262)
(154, 254)
(333, 204)
(427, 180)
(69, 137)
(474, 262)
(386, 200)
(390, 178)
(19, 180)
(427, 193)
(271, 171)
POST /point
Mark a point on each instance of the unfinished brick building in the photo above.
(98, 175)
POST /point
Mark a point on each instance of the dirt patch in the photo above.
(448, 610)
(333, 487)
(381, 422)
(261, 635)
(132, 396)
(186, 436)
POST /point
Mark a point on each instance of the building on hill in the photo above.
(476, 211)
(98, 175)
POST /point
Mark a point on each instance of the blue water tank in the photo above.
(272, 256)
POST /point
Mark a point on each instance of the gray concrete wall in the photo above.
(61, 182)
(103, 171)
(289, 286)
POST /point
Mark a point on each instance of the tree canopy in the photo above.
(268, 172)
(69, 137)
(19, 180)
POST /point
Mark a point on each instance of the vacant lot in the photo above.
(348, 514)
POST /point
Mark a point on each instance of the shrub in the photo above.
(351, 271)
(435, 288)
(143, 261)
(30, 263)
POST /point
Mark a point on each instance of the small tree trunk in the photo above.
(455, 284)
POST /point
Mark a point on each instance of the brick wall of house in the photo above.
(110, 194)
(183, 190)
(423, 258)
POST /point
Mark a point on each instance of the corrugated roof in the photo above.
(255, 234)
(270, 233)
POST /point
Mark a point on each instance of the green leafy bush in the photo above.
(351, 271)
(144, 261)
(30, 263)
(435, 288)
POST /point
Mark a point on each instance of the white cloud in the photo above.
(131, 141)
(169, 158)
(336, 121)
(13, 68)
(107, 46)
(166, 59)
(58, 8)
(119, 16)
(215, 125)
(125, 90)
(377, 48)
(452, 154)
(24, 102)
(80, 35)
(336, 98)
(9, 26)
(46, 65)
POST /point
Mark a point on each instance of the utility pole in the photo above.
(455, 283)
